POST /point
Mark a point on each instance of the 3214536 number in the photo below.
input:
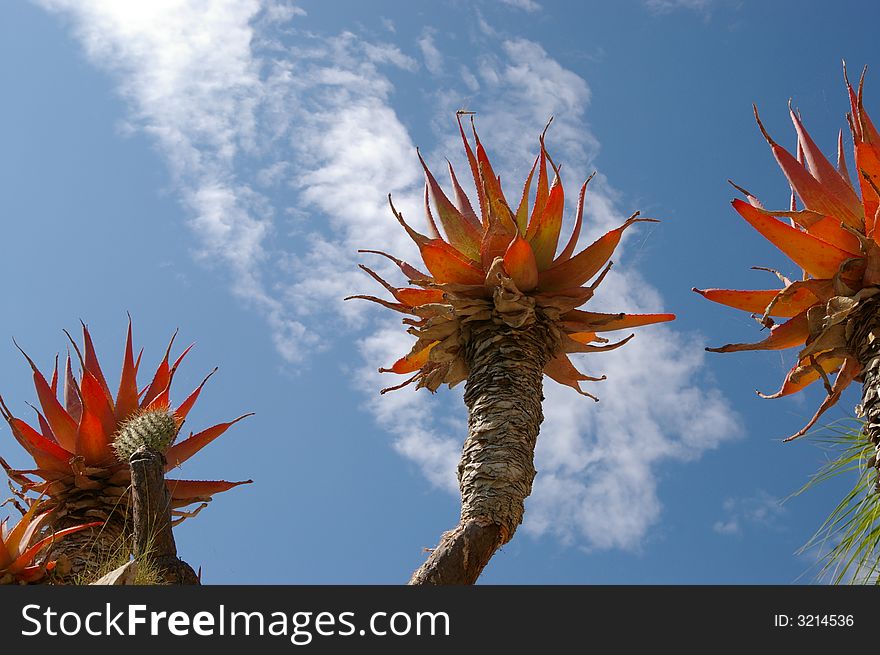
(824, 620)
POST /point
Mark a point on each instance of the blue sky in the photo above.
(214, 166)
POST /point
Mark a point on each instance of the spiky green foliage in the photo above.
(848, 542)
(154, 428)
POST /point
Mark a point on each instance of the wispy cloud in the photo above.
(526, 5)
(433, 57)
(667, 6)
(284, 151)
(762, 509)
(199, 101)
(388, 24)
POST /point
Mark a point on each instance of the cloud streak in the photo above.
(200, 103)
(762, 510)
(669, 6)
(283, 151)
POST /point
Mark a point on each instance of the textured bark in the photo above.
(84, 553)
(90, 496)
(151, 518)
(503, 394)
(864, 340)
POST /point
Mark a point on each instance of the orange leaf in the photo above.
(841, 159)
(47, 454)
(127, 396)
(410, 363)
(598, 322)
(72, 401)
(432, 226)
(520, 264)
(159, 386)
(162, 400)
(585, 337)
(868, 171)
(475, 169)
(91, 362)
(195, 490)
(866, 130)
(495, 202)
(827, 175)
(542, 190)
(802, 375)
(757, 302)
(816, 257)
(161, 378)
(496, 239)
(63, 426)
(28, 555)
(464, 204)
(180, 452)
(813, 194)
(5, 557)
(45, 428)
(418, 297)
(396, 306)
(53, 385)
(19, 537)
(183, 410)
(95, 402)
(854, 106)
(410, 272)
(828, 229)
(851, 368)
(91, 442)
(568, 251)
(460, 232)
(791, 333)
(543, 234)
(522, 212)
(448, 265)
(580, 268)
(561, 370)
(580, 342)
(407, 296)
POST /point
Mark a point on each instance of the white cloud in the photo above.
(388, 24)
(728, 527)
(526, 5)
(403, 414)
(667, 6)
(319, 119)
(386, 53)
(433, 57)
(469, 80)
(281, 12)
(187, 70)
(762, 509)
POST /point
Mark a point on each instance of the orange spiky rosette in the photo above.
(78, 467)
(22, 544)
(502, 265)
(832, 311)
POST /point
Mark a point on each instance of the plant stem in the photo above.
(151, 511)
(503, 394)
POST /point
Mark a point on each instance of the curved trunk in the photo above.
(503, 394)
